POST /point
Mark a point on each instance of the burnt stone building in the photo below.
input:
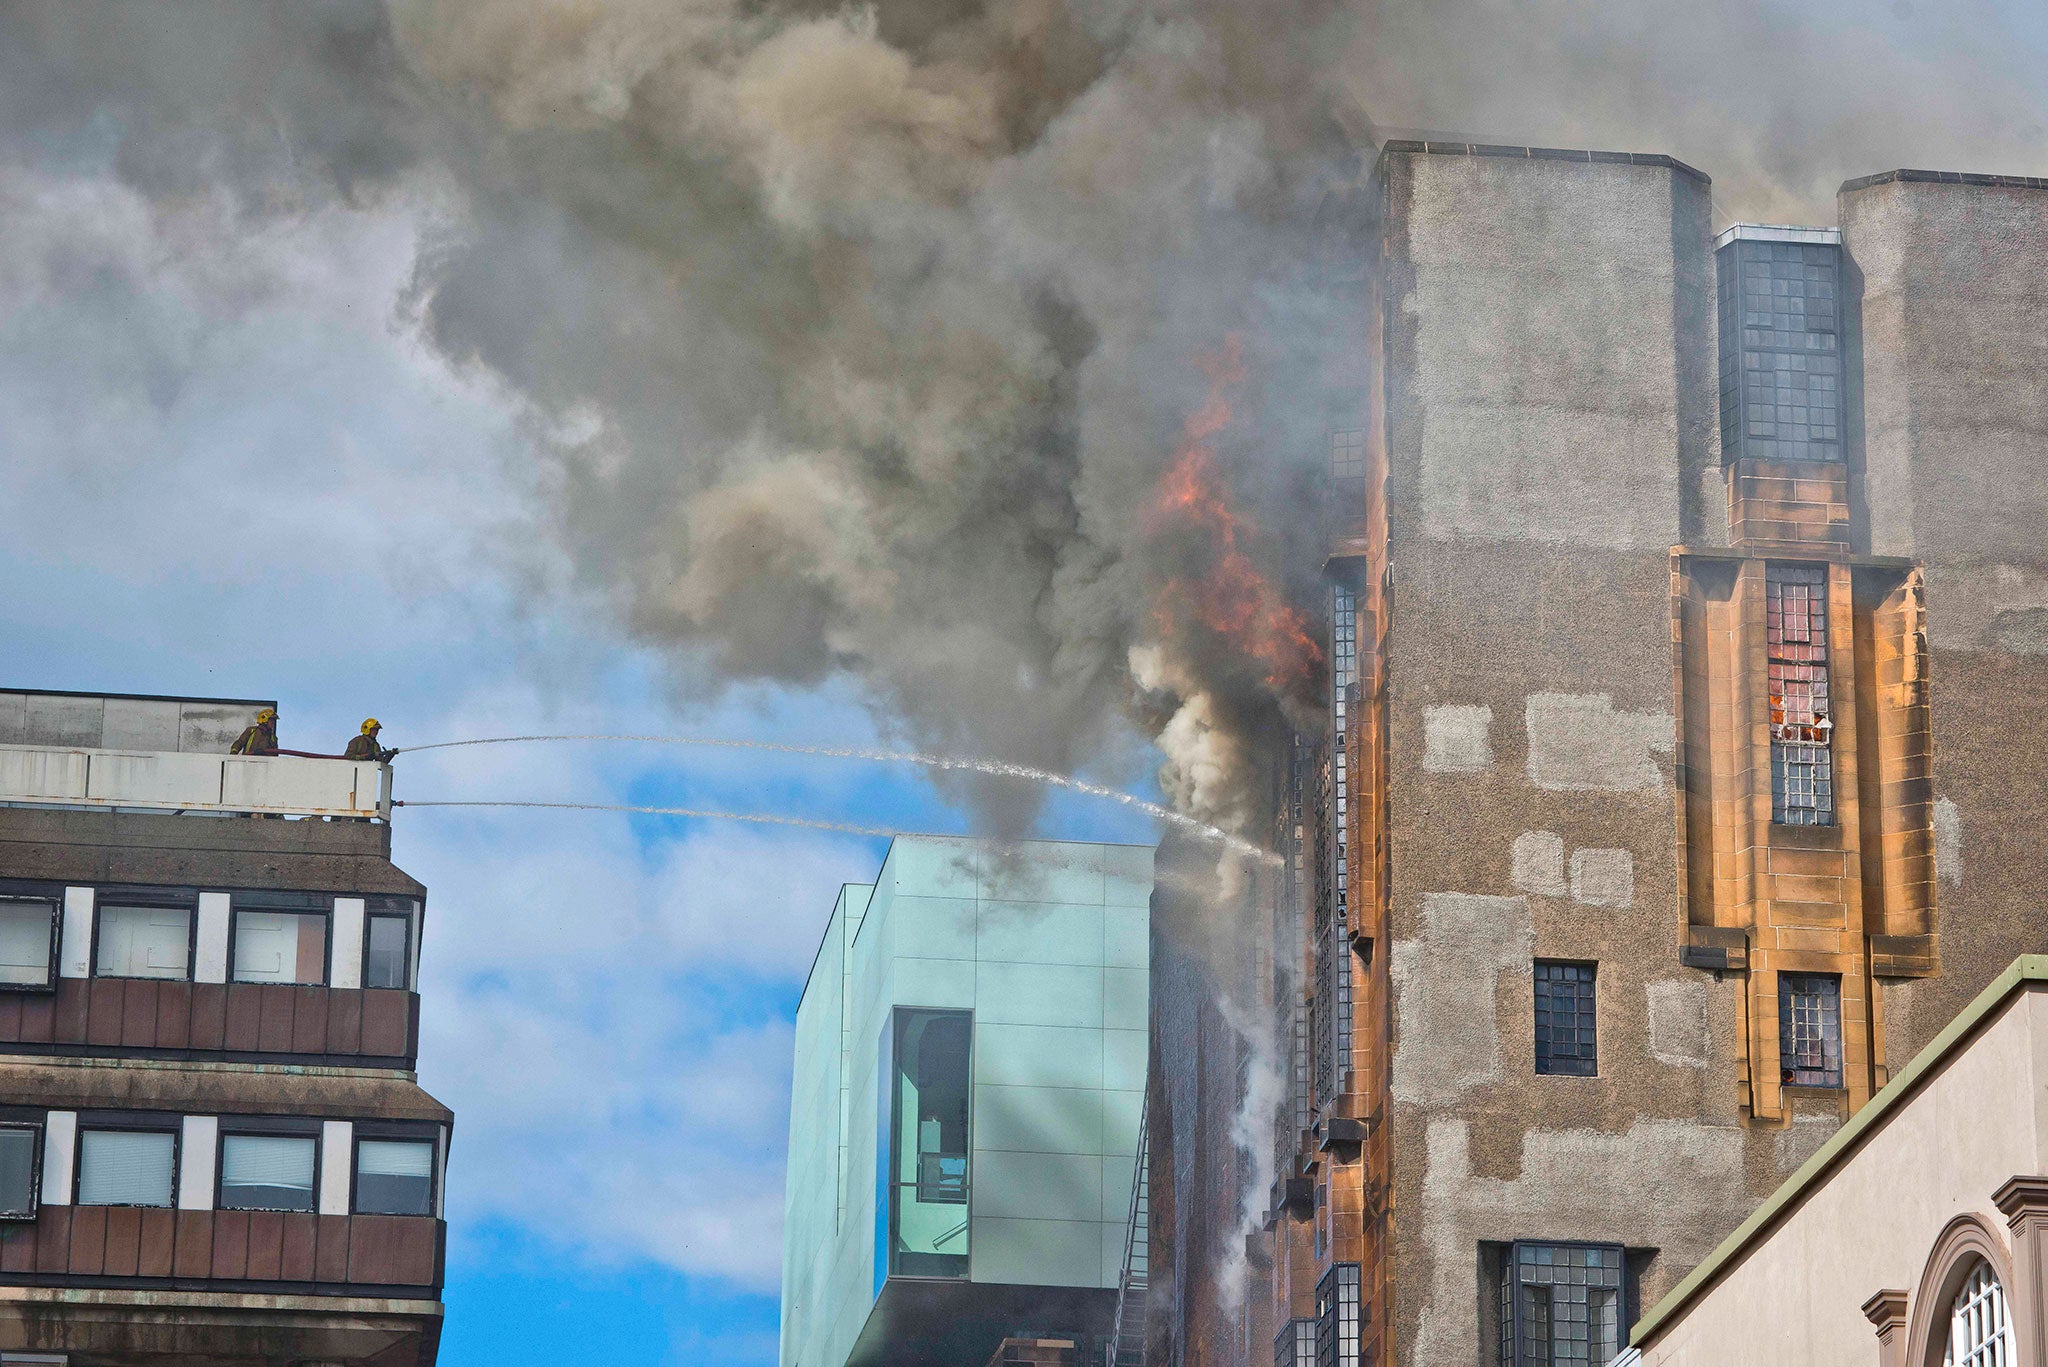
(213, 1149)
(1683, 763)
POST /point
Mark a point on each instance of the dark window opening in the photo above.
(1565, 1036)
(267, 1172)
(20, 1147)
(394, 1177)
(929, 1142)
(1561, 1305)
(1810, 1029)
(1802, 727)
(387, 950)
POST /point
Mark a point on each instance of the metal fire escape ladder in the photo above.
(1127, 1339)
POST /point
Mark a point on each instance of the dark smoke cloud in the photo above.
(855, 341)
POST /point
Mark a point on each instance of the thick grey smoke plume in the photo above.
(858, 340)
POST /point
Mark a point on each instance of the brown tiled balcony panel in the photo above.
(253, 1020)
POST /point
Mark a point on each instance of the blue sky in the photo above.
(309, 505)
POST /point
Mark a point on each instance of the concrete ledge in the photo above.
(1413, 147)
(1945, 178)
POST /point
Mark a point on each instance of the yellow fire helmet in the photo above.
(266, 714)
(371, 724)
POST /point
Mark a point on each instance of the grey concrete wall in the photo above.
(1552, 423)
(1951, 282)
(115, 722)
(190, 851)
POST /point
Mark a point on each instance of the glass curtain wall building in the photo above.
(965, 1111)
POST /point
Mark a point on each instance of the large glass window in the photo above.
(394, 1177)
(1339, 1317)
(126, 1167)
(1560, 1305)
(280, 946)
(266, 1172)
(387, 950)
(1802, 727)
(27, 935)
(18, 1145)
(1564, 1019)
(1979, 1329)
(928, 1170)
(1810, 1029)
(144, 942)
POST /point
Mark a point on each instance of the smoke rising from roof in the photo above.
(857, 340)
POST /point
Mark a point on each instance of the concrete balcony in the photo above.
(284, 785)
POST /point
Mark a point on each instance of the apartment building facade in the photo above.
(1681, 755)
(213, 1148)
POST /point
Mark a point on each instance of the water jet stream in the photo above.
(757, 817)
(995, 768)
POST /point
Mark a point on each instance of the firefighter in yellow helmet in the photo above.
(260, 738)
(365, 745)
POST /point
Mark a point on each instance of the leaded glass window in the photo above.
(1560, 1305)
(1339, 1317)
(1565, 1037)
(1810, 1029)
(1802, 726)
(1295, 1344)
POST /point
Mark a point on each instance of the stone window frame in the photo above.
(1966, 1240)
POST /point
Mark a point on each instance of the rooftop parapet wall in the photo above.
(47, 775)
(124, 721)
(1549, 356)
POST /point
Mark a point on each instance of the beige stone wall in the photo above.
(1797, 1295)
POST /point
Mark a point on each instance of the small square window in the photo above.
(394, 1177)
(266, 1172)
(126, 1168)
(280, 946)
(1348, 453)
(1565, 1019)
(27, 941)
(387, 950)
(19, 1147)
(1810, 1029)
(144, 942)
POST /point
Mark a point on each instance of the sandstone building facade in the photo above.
(1689, 636)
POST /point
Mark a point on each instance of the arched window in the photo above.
(1979, 1332)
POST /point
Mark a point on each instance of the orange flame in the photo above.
(1232, 598)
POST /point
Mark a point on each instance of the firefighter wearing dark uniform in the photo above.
(365, 746)
(259, 739)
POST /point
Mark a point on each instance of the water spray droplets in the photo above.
(995, 768)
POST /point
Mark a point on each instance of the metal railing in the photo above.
(1127, 1336)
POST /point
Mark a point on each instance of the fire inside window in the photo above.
(1810, 1029)
(1347, 453)
(1560, 1304)
(1796, 643)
